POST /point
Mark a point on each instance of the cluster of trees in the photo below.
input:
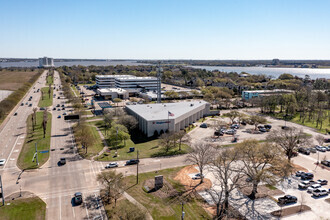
(239, 117)
(312, 106)
(171, 140)
(83, 135)
(11, 101)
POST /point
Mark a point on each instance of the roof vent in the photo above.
(164, 105)
(191, 105)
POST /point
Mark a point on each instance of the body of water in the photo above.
(272, 71)
(72, 63)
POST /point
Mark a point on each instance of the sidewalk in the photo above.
(132, 200)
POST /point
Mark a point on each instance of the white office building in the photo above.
(158, 118)
(46, 62)
(126, 82)
(112, 93)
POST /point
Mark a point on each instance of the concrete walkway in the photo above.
(104, 143)
(132, 200)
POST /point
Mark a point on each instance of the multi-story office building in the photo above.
(260, 93)
(46, 62)
(126, 82)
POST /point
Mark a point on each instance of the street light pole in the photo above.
(137, 167)
(37, 154)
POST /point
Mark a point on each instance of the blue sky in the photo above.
(172, 29)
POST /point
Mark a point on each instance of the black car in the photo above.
(132, 161)
(78, 198)
(262, 129)
(287, 199)
(218, 133)
(268, 126)
(42, 108)
(285, 127)
(304, 150)
(307, 176)
(203, 125)
(326, 163)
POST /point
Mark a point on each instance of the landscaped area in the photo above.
(24, 209)
(146, 147)
(50, 80)
(47, 99)
(162, 204)
(25, 158)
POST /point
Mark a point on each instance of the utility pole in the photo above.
(182, 212)
(137, 167)
(2, 196)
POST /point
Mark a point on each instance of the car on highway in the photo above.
(78, 198)
(59, 116)
(304, 150)
(30, 105)
(64, 113)
(307, 176)
(305, 184)
(322, 182)
(197, 176)
(132, 161)
(15, 113)
(313, 187)
(320, 192)
(111, 165)
(287, 199)
(2, 162)
(203, 125)
(26, 103)
(22, 104)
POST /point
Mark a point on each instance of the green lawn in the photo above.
(147, 148)
(46, 101)
(25, 157)
(50, 80)
(75, 91)
(24, 209)
(165, 208)
(95, 148)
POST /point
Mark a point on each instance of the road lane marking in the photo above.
(11, 152)
(60, 208)
(15, 151)
(74, 214)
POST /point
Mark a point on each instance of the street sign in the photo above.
(44, 151)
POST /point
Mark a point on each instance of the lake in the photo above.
(272, 71)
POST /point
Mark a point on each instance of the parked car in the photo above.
(64, 113)
(62, 161)
(58, 97)
(327, 140)
(243, 123)
(305, 184)
(78, 198)
(2, 162)
(304, 150)
(268, 126)
(320, 148)
(111, 165)
(326, 163)
(218, 133)
(299, 173)
(231, 131)
(132, 161)
(285, 127)
(320, 192)
(42, 108)
(287, 199)
(58, 105)
(62, 105)
(262, 129)
(313, 187)
(234, 126)
(30, 105)
(63, 108)
(322, 182)
(312, 150)
(54, 109)
(58, 109)
(307, 176)
(203, 125)
(197, 176)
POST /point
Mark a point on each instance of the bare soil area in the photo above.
(291, 211)
(13, 80)
(183, 177)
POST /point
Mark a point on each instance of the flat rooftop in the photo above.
(160, 111)
(264, 91)
(109, 90)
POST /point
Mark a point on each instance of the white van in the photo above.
(320, 192)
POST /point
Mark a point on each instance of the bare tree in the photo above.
(49, 90)
(227, 175)
(44, 121)
(180, 136)
(84, 136)
(256, 120)
(113, 184)
(289, 140)
(166, 141)
(320, 139)
(128, 121)
(259, 161)
(201, 154)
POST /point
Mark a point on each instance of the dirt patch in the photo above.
(183, 177)
(291, 211)
(327, 200)
(298, 168)
(12, 80)
(165, 192)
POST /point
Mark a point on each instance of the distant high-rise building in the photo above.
(46, 62)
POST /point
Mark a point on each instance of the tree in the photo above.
(171, 94)
(128, 121)
(84, 135)
(113, 184)
(320, 139)
(122, 134)
(289, 140)
(227, 174)
(166, 141)
(49, 90)
(180, 136)
(256, 120)
(259, 161)
(201, 154)
(44, 121)
(232, 115)
(107, 119)
(117, 100)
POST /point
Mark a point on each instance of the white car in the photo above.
(320, 192)
(197, 176)
(2, 162)
(313, 187)
(111, 165)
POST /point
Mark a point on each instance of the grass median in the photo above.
(50, 80)
(25, 158)
(46, 100)
(24, 209)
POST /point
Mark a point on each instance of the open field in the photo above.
(24, 209)
(165, 207)
(25, 158)
(13, 80)
(146, 147)
(47, 100)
